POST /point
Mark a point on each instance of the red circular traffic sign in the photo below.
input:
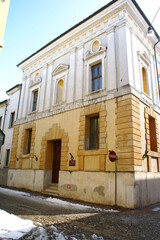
(112, 156)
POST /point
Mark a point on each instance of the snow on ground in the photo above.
(79, 206)
(10, 191)
(13, 227)
(156, 209)
(52, 233)
(56, 201)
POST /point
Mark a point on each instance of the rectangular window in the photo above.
(97, 77)
(152, 131)
(35, 98)
(27, 144)
(0, 122)
(11, 122)
(92, 132)
(7, 157)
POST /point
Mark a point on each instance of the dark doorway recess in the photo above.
(56, 160)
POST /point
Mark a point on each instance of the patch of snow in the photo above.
(54, 228)
(6, 190)
(79, 206)
(156, 209)
(57, 201)
(51, 232)
(95, 237)
(60, 237)
(66, 203)
(13, 227)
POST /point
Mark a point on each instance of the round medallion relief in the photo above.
(95, 46)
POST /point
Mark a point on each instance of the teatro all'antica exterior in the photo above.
(92, 89)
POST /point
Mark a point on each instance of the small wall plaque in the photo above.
(72, 163)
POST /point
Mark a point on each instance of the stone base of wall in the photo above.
(98, 187)
(133, 189)
(3, 176)
(26, 179)
(147, 188)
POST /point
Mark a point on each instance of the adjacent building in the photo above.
(91, 90)
(8, 116)
(4, 7)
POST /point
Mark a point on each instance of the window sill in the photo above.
(58, 105)
(92, 152)
(30, 113)
(146, 95)
(6, 167)
(94, 92)
(154, 154)
(27, 155)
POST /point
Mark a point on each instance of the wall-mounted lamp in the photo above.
(72, 161)
(16, 158)
(35, 158)
(72, 158)
(144, 155)
(150, 31)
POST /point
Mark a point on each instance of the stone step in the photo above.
(51, 189)
(54, 187)
(55, 194)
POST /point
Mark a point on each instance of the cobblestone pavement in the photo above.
(82, 224)
(133, 225)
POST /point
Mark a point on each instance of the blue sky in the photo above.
(33, 23)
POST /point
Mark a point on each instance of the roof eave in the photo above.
(86, 19)
(18, 86)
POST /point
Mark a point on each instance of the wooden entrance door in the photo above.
(56, 160)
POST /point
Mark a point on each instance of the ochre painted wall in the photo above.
(120, 130)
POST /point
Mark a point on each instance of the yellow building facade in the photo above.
(79, 101)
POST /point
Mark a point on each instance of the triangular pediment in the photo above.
(60, 68)
(90, 53)
(144, 56)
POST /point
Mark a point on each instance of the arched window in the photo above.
(145, 81)
(60, 91)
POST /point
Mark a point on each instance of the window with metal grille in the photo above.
(96, 77)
